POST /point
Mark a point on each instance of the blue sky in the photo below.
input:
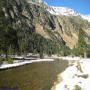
(82, 6)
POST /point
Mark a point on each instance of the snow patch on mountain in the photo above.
(87, 17)
(67, 12)
(62, 11)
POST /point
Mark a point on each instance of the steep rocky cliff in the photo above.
(26, 15)
(69, 28)
(34, 27)
(32, 16)
(70, 22)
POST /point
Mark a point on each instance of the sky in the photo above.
(81, 6)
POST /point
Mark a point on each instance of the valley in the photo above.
(43, 47)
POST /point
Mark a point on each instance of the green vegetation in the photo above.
(23, 39)
(7, 60)
(77, 87)
(82, 48)
(18, 36)
(85, 76)
(8, 36)
(1, 61)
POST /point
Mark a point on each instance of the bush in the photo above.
(1, 61)
(85, 76)
(9, 60)
(77, 87)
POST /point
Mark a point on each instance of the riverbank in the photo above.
(22, 62)
(76, 76)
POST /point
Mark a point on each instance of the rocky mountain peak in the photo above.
(35, 1)
(63, 11)
(67, 12)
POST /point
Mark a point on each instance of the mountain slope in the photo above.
(70, 27)
(67, 12)
(70, 22)
(34, 27)
(38, 30)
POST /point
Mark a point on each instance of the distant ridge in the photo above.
(67, 12)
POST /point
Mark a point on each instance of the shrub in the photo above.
(1, 61)
(77, 87)
(9, 60)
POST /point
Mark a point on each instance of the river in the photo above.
(34, 76)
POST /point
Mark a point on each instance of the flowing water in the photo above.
(34, 76)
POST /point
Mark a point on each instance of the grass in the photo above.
(35, 76)
(8, 60)
(1, 61)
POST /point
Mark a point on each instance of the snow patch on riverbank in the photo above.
(76, 75)
(22, 62)
(31, 60)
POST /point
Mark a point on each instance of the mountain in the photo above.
(33, 28)
(34, 1)
(62, 11)
(67, 12)
(38, 28)
(71, 22)
(87, 17)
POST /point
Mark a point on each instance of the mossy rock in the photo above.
(77, 87)
(85, 76)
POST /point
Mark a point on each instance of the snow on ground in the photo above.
(22, 62)
(76, 74)
(66, 57)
